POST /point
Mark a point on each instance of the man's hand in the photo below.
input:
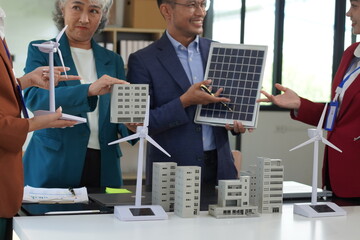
(237, 128)
(194, 95)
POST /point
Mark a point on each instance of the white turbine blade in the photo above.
(46, 48)
(304, 143)
(131, 137)
(147, 113)
(321, 121)
(61, 33)
(325, 141)
(62, 61)
(152, 141)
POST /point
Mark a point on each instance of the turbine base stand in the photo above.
(323, 209)
(140, 213)
(63, 117)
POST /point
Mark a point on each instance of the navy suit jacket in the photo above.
(170, 124)
(55, 157)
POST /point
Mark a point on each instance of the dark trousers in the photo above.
(6, 229)
(209, 180)
(91, 175)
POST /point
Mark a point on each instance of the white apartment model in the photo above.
(128, 103)
(187, 191)
(163, 185)
(233, 199)
(269, 185)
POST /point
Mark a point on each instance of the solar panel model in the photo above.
(239, 70)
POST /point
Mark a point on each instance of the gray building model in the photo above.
(128, 103)
(258, 190)
(187, 191)
(163, 185)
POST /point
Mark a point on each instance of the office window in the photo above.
(226, 25)
(308, 47)
(259, 30)
(308, 34)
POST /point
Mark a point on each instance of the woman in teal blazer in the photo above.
(56, 157)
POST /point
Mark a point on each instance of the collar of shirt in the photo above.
(178, 46)
(2, 25)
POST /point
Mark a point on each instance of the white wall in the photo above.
(275, 135)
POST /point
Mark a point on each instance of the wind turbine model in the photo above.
(138, 212)
(50, 48)
(314, 209)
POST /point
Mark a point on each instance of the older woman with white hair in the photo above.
(78, 156)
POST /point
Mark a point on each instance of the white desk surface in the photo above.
(283, 226)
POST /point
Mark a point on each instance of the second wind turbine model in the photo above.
(51, 47)
(315, 209)
(139, 212)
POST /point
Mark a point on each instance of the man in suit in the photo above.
(174, 68)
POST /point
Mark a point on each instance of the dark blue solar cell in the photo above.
(259, 61)
(247, 53)
(239, 60)
(254, 53)
(246, 61)
(244, 68)
(261, 54)
(230, 74)
(226, 59)
(253, 61)
(253, 93)
(256, 77)
(236, 75)
(241, 83)
(249, 117)
(221, 51)
(217, 74)
(248, 84)
(251, 68)
(216, 50)
(228, 51)
(220, 59)
(233, 91)
(233, 60)
(224, 74)
(231, 67)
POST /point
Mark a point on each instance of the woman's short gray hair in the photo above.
(59, 18)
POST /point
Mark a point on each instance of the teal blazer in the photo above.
(55, 157)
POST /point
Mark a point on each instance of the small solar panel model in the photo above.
(239, 70)
(128, 103)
